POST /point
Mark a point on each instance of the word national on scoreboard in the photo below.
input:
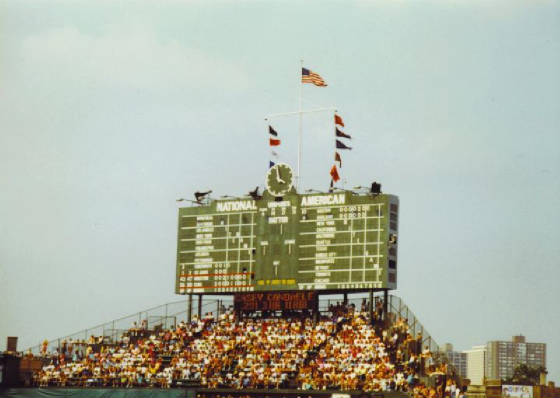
(285, 241)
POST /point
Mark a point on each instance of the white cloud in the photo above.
(131, 56)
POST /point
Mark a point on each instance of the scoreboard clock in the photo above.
(279, 179)
(288, 241)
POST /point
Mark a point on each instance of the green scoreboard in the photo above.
(328, 241)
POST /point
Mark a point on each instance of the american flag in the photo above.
(308, 76)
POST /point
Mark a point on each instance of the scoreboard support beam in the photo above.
(189, 308)
(199, 306)
(370, 305)
(385, 304)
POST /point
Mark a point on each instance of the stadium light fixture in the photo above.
(375, 188)
(255, 194)
(198, 196)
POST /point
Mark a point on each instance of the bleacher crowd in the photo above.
(343, 351)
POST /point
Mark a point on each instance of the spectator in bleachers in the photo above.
(343, 351)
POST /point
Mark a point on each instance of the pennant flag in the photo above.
(271, 131)
(341, 145)
(342, 134)
(274, 142)
(334, 173)
(270, 164)
(308, 76)
(338, 120)
(338, 159)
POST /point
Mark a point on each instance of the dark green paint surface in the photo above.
(328, 242)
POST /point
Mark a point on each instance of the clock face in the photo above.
(279, 179)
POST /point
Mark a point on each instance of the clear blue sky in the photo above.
(109, 111)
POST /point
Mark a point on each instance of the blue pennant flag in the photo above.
(340, 145)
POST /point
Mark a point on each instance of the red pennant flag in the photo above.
(274, 142)
(338, 120)
(334, 173)
(338, 159)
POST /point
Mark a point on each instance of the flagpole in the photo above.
(300, 111)
(274, 115)
(335, 148)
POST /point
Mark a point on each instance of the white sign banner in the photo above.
(517, 391)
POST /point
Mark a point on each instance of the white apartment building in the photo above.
(476, 364)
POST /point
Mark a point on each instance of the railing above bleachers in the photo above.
(165, 316)
(168, 315)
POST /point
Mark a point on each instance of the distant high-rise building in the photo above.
(476, 360)
(504, 356)
(457, 359)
